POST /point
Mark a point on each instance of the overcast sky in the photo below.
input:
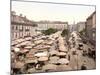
(52, 12)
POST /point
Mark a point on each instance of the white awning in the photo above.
(41, 54)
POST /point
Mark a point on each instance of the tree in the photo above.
(49, 31)
(65, 32)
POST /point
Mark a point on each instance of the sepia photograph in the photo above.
(52, 37)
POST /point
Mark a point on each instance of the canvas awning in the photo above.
(38, 41)
(33, 44)
(43, 59)
(54, 60)
(29, 55)
(62, 48)
(41, 54)
(40, 47)
(31, 61)
(16, 49)
(61, 54)
(24, 51)
(14, 42)
(48, 42)
(28, 47)
(63, 61)
(52, 52)
(19, 40)
(28, 38)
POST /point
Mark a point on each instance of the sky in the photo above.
(52, 12)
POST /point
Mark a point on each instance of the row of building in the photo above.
(44, 25)
(89, 26)
(22, 27)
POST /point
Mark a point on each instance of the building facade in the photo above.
(44, 25)
(80, 26)
(21, 26)
(91, 28)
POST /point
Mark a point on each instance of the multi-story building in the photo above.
(44, 25)
(21, 26)
(91, 28)
(80, 26)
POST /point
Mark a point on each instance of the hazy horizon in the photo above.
(52, 12)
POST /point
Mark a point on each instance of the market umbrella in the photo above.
(43, 59)
(18, 45)
(41, 54)
(28, 47)
(32, 51)
(33, 45)
(24, 51)
(54, 60)
(41, 46)
(63, 61)
(53, 52)
(29, 55)
(31, 61)
(61, 41)
(62, 48)
(16, 49)
(61, 54)
(49, 67)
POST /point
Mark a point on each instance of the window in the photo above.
(15, 35)
(12, 27)
(16, 28)
(21, 28)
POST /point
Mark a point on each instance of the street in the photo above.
(52, 50)
(51, 38)
(78, 59)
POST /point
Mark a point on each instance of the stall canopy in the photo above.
(54, 60)
(62, 48)
(63, 61)
(31, 61)
(43, 59)
(61, 54)
(52, 52)
(16, 49)
(41, 54)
